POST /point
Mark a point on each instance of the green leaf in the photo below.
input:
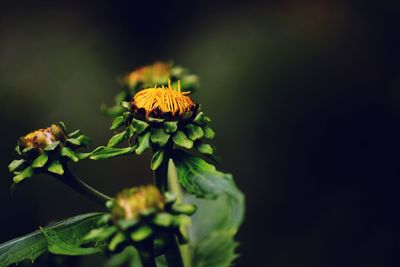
(56, 167)
(110, 152)
(182, 208)
(84, 140)
(201, 119)
(31, 246)
(57, 246)
(75, 134)
(139, 125)
(52, 146)
(117, 139)
(163, 219)
(217, 250)
(26, 173)
(157, 159)
(151, 119)
(15, 164)
(205, 149)
(141, 233)
(159, 136)
(144, 143)
(194, 132)
(203, 180)
(40, 161)
(62, 125)
(180, 139)
(208, 132)
(118, 122)
(170, 126)
(69, 153)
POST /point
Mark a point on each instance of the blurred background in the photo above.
(304, 96)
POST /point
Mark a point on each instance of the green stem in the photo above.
(75, 183)
(146, 253)
(173, 254)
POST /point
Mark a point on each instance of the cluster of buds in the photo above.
(46, 151)
(158, 73)
(161, 118)
(139, 215)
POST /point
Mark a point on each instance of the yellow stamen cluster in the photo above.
(39, 138)
(163, 100)
(132, 202)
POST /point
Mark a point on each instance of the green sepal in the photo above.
(139, 126)
(100, 234)
(163, 219)
(117, 139)
(110, 152)
(15, 164)
(159, 136)
(201, 119)
(63, 126)
(56, 167)
(26, 173)
(157, 159)
(141, 233)
(205, 149)
(40, 161)
(81, 140)
(180, 139)
(69, 153)
(18, 150)
(181, 208)
(75, 134)
(208, 132)
(144, 143)
(118, 121)
(52, 146)
(170, 126)
(27, 149)
(126, 105)
(194, 132)
(117, 239)
(151, 119)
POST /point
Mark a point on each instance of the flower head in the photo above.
(41, 138)
(131, 203)
(159, 72)
(163, 100)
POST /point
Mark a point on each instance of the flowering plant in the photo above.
(188, 218)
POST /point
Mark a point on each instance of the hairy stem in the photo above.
(78, 185)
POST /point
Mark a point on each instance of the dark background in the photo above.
(304, 96)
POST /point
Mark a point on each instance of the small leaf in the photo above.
(208, 132)
(117, 239)
(144, 143)
(170, 126)
(139, 125)
(100, 234)
(74, 141)
(200, 119)
(15, 164)
(194, 132)
(180, 139)
(26, 173)
(52, 146)
(40, 161)
(159, 136)
(118, 122)
(205, 149)
(33, 245)
(151, 119)
(126, 105)
(69, 153)
(56, 167)
(18, 150)
(157, 159)
(110, 152)
(117, 139)
(141, 233)
(84, 140)
(62, 125)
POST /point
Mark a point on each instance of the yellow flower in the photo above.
(159, 72)
(163, 100)
(39, 138)
(131, 203)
